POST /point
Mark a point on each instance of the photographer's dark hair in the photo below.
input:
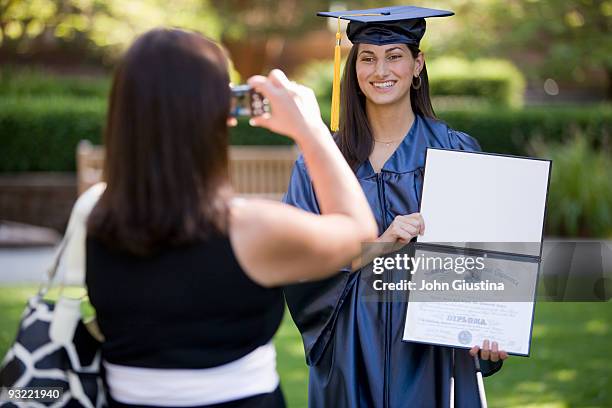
(166, 144)
(354, 137)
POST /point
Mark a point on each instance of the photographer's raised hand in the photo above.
(294, 108)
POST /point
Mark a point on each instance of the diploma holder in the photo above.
(503, 234)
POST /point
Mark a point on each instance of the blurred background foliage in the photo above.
(496, 82)
(564, 40)
(583, 205)
(522, 76)
(94, 28)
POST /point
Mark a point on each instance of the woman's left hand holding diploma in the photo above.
(493, 353)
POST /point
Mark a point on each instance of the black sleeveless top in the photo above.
(184, 307)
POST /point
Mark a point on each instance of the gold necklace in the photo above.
(388, 143)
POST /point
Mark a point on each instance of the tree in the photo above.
(27, 26)
(258, 31)
(565, 39)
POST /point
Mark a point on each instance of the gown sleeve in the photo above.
(463, 141)
(313, 305)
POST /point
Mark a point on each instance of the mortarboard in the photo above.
(378, 26)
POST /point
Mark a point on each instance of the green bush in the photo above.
(498, 82)
(580, 194)
(41, 134)
(319, 75)
(32, 82)
(510, 131)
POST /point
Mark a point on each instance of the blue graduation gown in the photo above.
(354, 347)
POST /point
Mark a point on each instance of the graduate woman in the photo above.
(354, 346)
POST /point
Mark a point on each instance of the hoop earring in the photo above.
(418, 85)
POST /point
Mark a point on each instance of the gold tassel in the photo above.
(335, 107)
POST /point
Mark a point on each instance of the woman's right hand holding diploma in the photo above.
(485, 353)
(404, 228)
(400, 232)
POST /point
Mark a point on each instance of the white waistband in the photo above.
(250, 375)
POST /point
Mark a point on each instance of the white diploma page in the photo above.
(484, 199)
(463, 325)
(495, 204)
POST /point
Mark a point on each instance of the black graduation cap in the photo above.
(387, 25)
(378, 26)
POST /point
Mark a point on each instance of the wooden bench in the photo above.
(255, 171)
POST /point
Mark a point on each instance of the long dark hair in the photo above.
(166, 144)
(354, 137)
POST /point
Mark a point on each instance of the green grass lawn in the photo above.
(570, 363)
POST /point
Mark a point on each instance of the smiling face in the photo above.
(385, 72)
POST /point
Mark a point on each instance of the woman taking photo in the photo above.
(184, 278)
(353, 345)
